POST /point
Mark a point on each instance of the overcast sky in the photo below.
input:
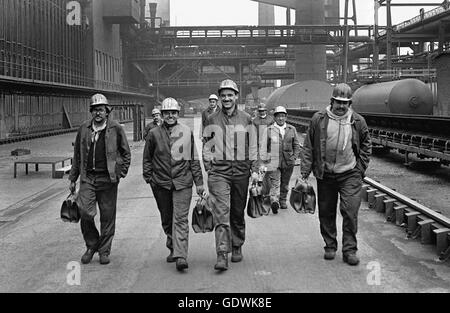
(245, 12)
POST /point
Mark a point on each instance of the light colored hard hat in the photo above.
(99, 99)
(342, 92)
(156, 111)
(262, 107)
(228, 84)
(213, 97)
(170, 104)
(280, 109)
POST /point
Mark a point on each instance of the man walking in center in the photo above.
(170, 165)
(337, 149)
(230, 154)
(157, 121)
(101, 158)
(213, 107)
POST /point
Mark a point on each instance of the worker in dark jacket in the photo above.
(101, 158)
(213, 107)
(170, 165)
(230, 154)
(263, 120)
(283, 149)
(337, 149)
(157, 121)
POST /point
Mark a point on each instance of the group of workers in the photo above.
(236, 150)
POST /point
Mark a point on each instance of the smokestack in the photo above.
(152, 13)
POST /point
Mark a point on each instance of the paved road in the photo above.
(282, 254)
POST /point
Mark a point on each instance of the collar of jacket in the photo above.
(108, 124)
(355, 116)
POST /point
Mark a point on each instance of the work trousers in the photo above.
(98, 189)
(229, 199)
(348, 186)
(277, 184)
(173, 206)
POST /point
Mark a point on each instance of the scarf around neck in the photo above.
(96, 131)
(344, 121)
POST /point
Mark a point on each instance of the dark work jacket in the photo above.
(118, 155)
(232, 152)
(170, 158)
(288, 148)
(148, 128)
(314, 147)
(205, 114)
(258, 121)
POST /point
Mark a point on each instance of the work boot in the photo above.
(275, 206)
(236, 255)
(170, 258)
(329, 255)
(104, 259)
(351, 259)
(222, 262)
(181, 264)
(283, 205)
(87, 256)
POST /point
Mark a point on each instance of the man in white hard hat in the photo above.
(337, 149)
(230, 155)
(279, 152)
(157, 121)
(263, 120)
(212, 108)
(101, 158)
(170, 166)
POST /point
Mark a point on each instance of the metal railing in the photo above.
(396, 73)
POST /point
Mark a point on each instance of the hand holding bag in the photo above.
(202, 218)
(303, 197)
(70, 213)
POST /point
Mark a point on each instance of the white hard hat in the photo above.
(213, 97)
(156, 111)
(170, 104)
(280, 109)
(228, 84)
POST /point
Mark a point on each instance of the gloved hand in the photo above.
(201, 191)
(73, 187)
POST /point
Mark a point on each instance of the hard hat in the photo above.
(228, 84)
(213, 97)
(262, 107)
(170, 104)
(156, 111)
(99, 99)
(280, 109)
(342, 92)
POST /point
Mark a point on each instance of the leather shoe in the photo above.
(275, 206)
(181, 264)
(104, 259)
(87, 256)
(236, 254)
(222, 262)
(170, 258)
(351, 259)
(329, 255)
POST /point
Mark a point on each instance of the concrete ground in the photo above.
(282, 254)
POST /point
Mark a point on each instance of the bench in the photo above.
(42, 160)
(59, 173)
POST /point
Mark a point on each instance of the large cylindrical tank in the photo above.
(406, 96)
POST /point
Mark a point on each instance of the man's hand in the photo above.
(201, 191)
(73, 187)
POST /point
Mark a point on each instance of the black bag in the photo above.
(255, 204)
(70, 213)
(202, 218)
(303, 198)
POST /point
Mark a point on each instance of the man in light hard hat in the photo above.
(101, 158)
(170, 166)
(263, 120)
(213, 107)
(230, 155)
(157, 121)
(279, 151)
(337, 149)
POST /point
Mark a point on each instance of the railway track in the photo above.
(420, 222)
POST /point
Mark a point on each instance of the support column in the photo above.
(388, 36)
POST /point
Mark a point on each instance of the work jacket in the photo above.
(314, 147)
(231, 147)
(205, 114)
(266, 121)
(280, 151)
(118, 156)
(170, 158)
(148, 128)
